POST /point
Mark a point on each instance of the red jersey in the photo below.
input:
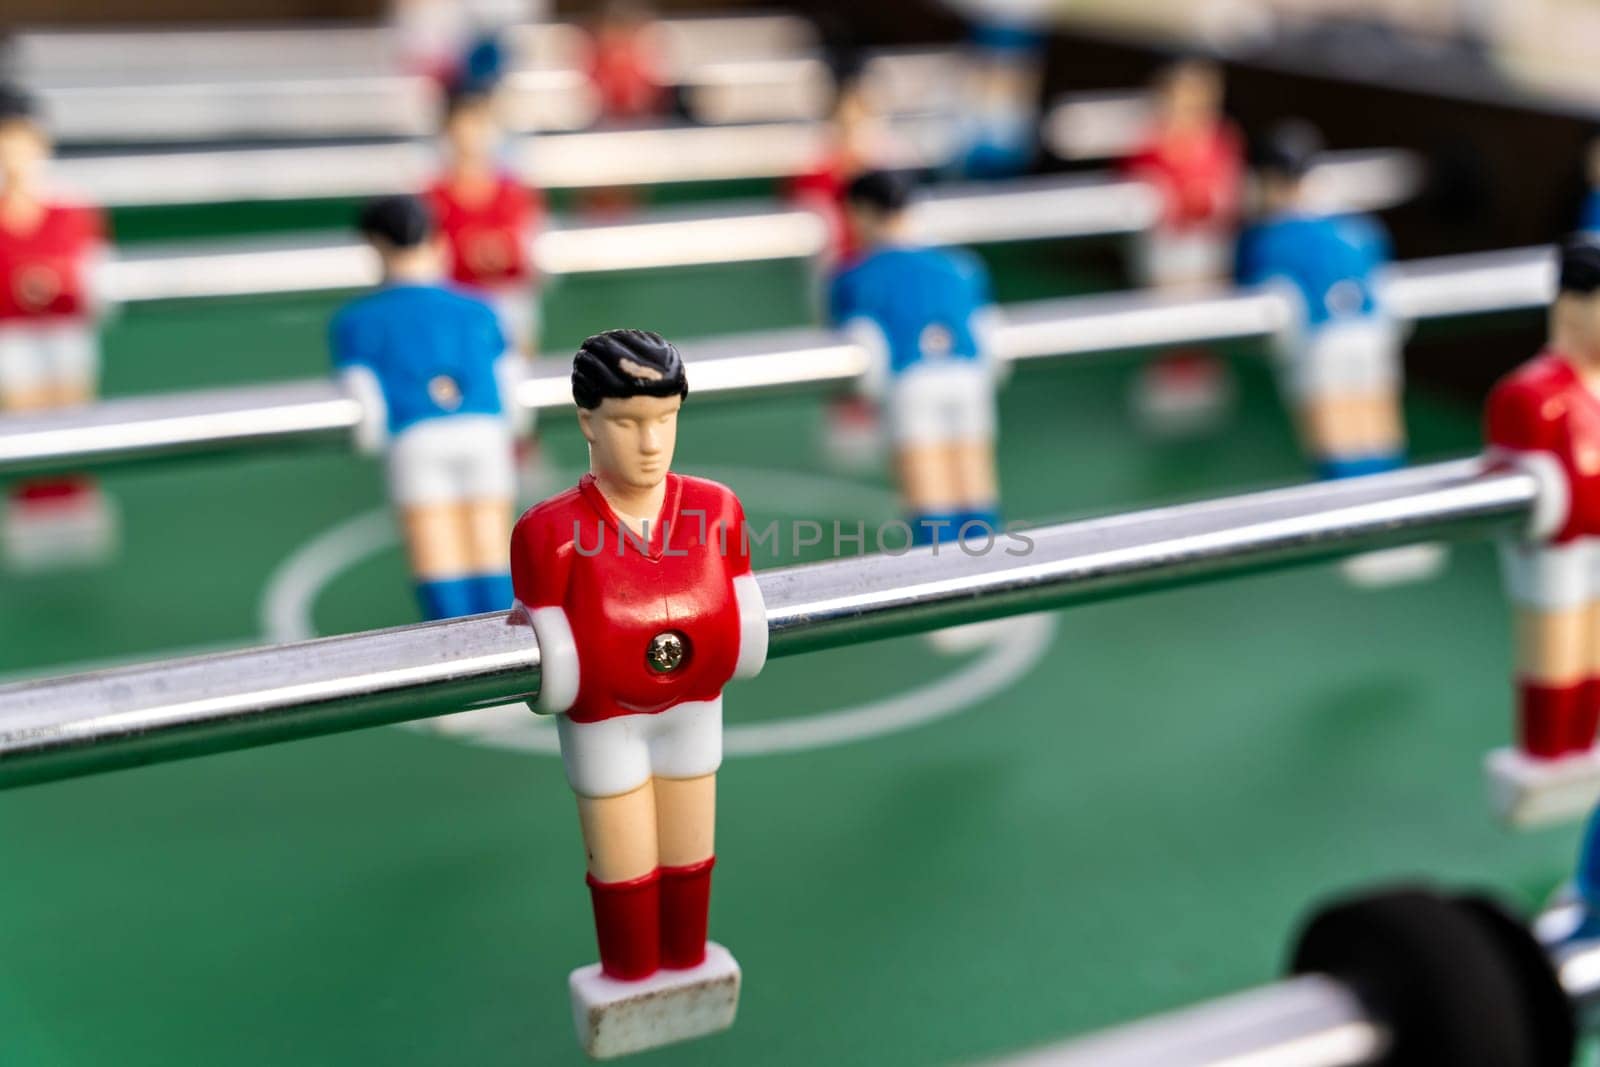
(823, 191)
(618, 592)
(1199, 175)
(1543, 406)
(622, 66)
(487, 239)
(44, 271)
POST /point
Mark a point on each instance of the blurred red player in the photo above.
(49, 344)
(487, 217)
(625, 63)
(1545, 418)
(855, 142)
(1193, 156)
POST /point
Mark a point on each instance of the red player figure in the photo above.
(49, 345)
(487, 217)
(1545, 418)
(1194, 158)
(637, 583)
(856, 141)
(625, 64)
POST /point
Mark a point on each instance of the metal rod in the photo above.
(101, 721)
(346, 81)
(1310, 1021)
(134, 429)
(1307, 1021)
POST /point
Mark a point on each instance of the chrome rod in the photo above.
(1310, 1021)
(129, 716)
(136, 428)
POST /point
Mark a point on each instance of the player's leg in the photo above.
(919, 424)
(685, 754)
(1184, 391)
(608, 767)
(970, 409)
(1553, 646)
(487, 484)
(424, 487)
(25, 382)
(1348, 388)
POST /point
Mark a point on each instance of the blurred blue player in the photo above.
(1589, 214)
(432, 371)
(926, 316)
(1340, 366)
(998, 136)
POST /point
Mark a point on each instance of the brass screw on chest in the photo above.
(667, 652)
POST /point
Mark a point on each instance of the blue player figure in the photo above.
(1340, 367)
(998, 131)
(1589, 214)
(926, 316)
(435, 379)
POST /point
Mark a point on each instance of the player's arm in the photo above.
(510, 371)
(987, 320)
(1520, 434)
(352, 364)
(541, 562)
(846, 313)
(735, 548)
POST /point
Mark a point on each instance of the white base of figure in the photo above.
(1395, 566)
(1182, 396)
(854, 441)
(618, 1018)
(77, 530)
(1537, 792)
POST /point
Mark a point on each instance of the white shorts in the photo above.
(1165, 259)
(1360, 356)
(937, 403)
(452, 459)
(1551, 577)
(48, 355)
(517, 307)
(615, 756)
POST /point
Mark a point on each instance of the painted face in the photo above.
(23, 150)
(1191, 95)
(472, 132)
(631, 441)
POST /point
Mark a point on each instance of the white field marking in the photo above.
(292, 590)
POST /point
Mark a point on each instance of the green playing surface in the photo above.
(936, 859)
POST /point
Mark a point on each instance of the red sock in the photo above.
(627, 923)
(685, 908)
(40, 490)
(1587, 721)
(1548, 718)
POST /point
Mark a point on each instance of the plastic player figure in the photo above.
(1341, 370)
(432, 370)
(1194, 158)
(926, 315)
(487, 217)
(625, 64)
(999, 135)
(1589, 215)
(856, 140)
(1545, 417)
(638, 585)
(1341, 366)
(49, 344)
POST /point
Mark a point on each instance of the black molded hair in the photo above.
(398, 221)
(17, 103)
(597, 371)
(887, 192)
(1288, 149)
(478, 76)
(1580, 265)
